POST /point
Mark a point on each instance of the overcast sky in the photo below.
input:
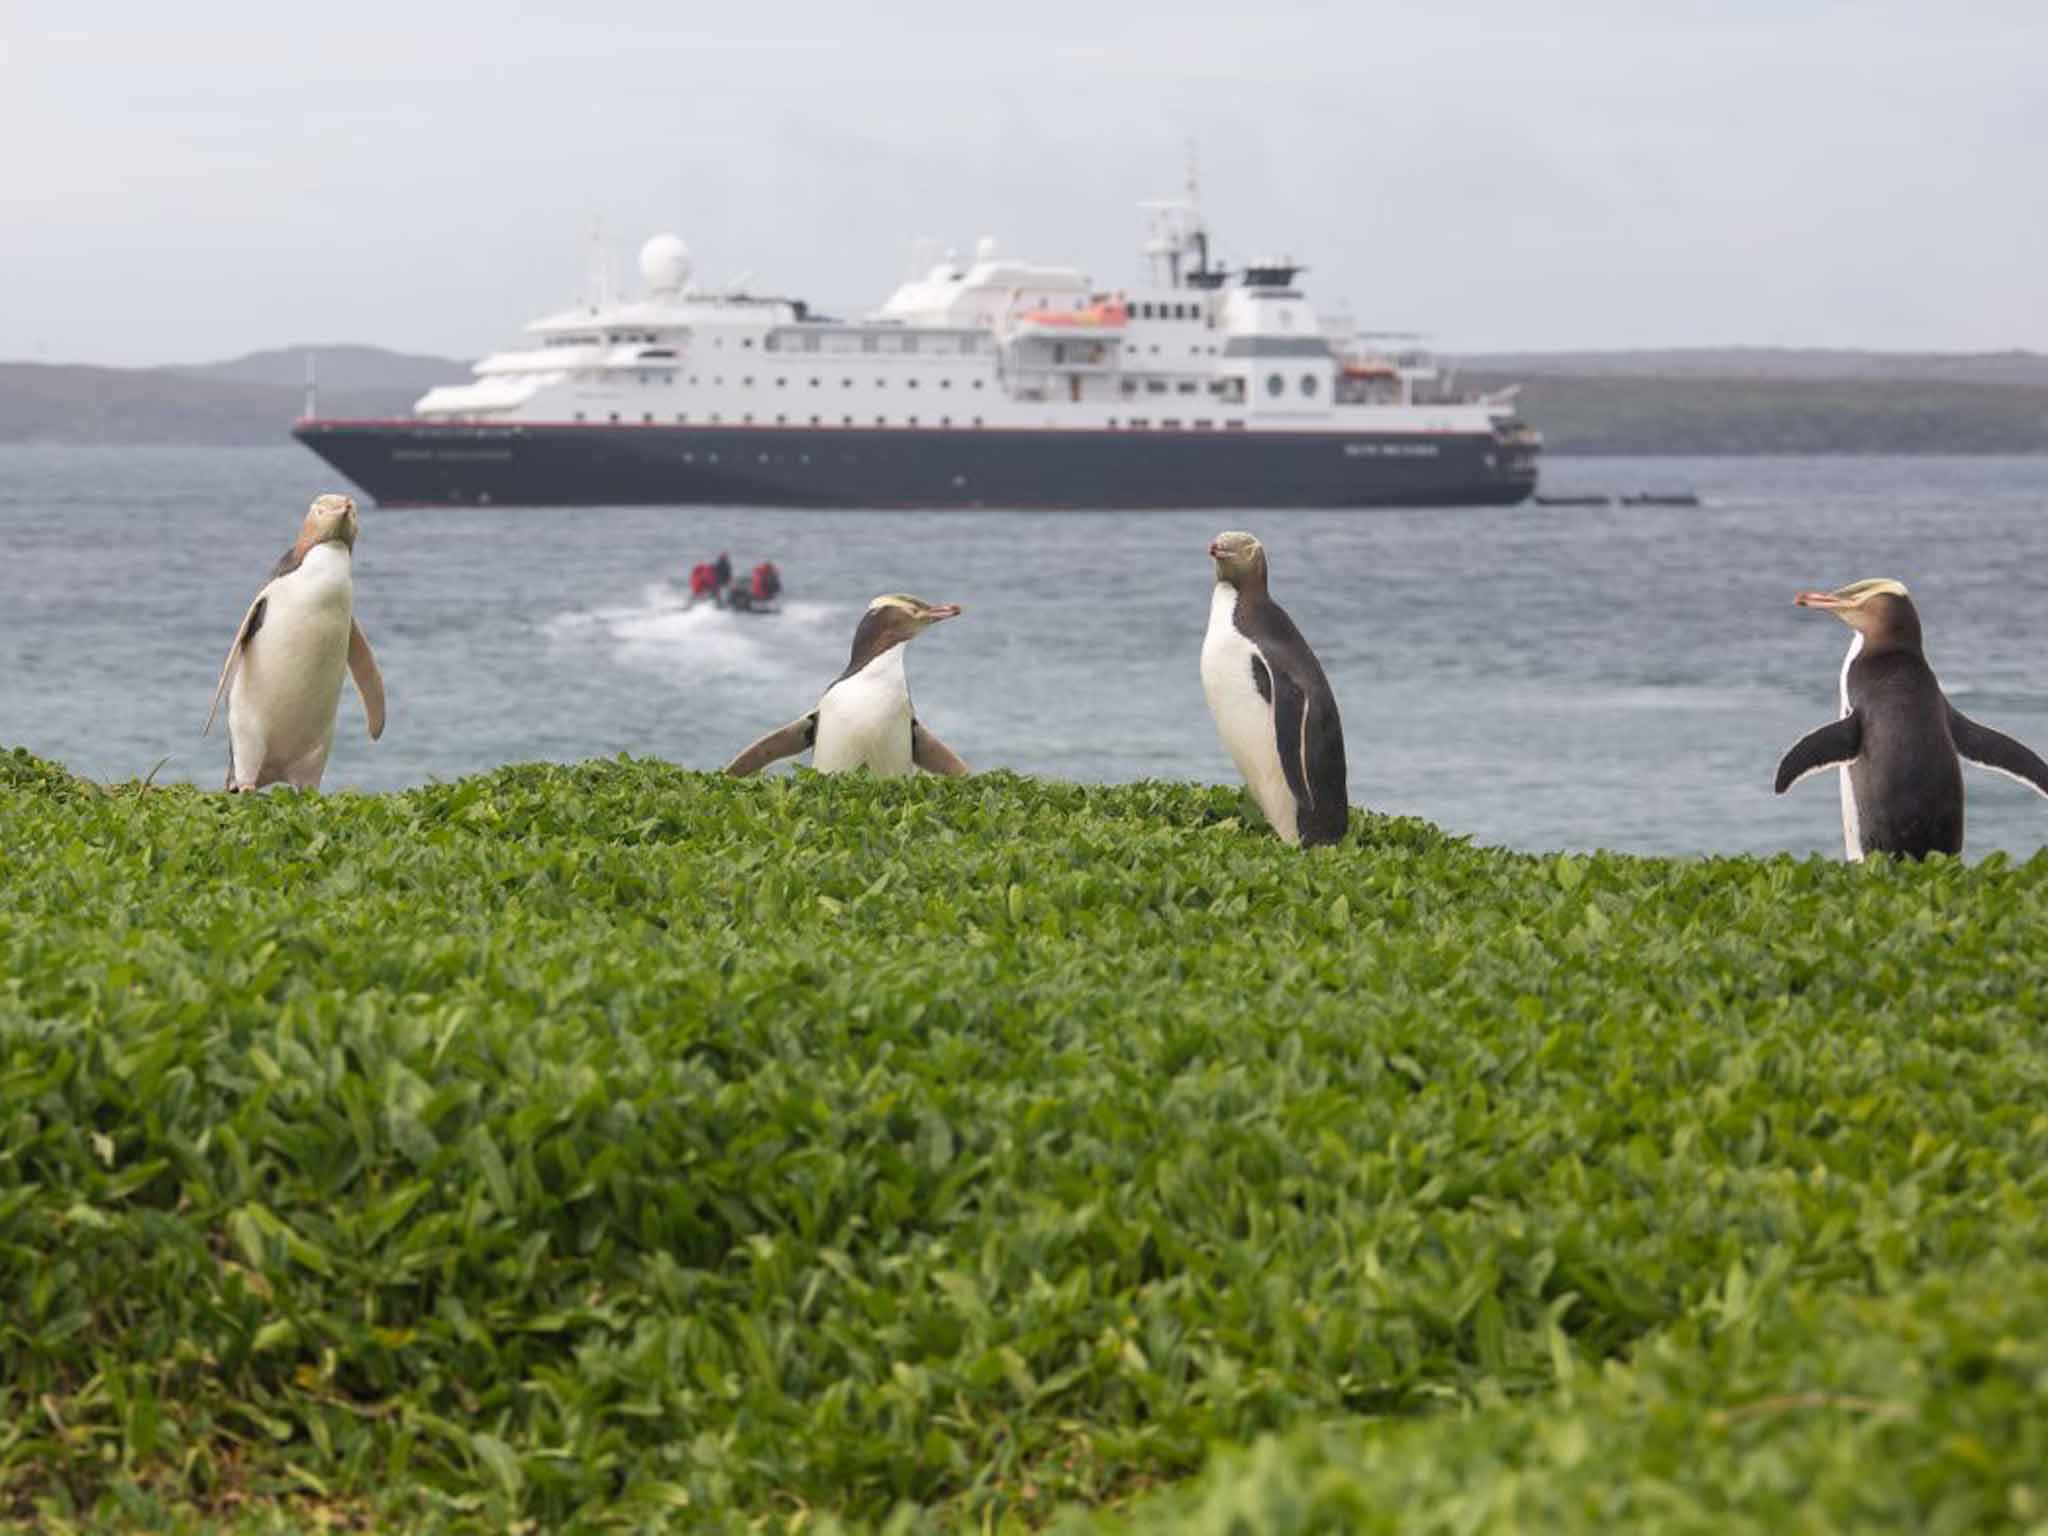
(177, 187)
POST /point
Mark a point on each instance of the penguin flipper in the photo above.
(1997, 751)
(362, 666)
(251, 622)
(933, 755)
(786, 741)
(1831, 746)
(1310, 738)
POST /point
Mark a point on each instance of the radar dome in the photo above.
(665, 264)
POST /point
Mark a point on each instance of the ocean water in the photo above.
(1543, 678)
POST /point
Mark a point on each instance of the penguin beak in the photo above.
(1215, 549)
(938, 611)
(1826, 601)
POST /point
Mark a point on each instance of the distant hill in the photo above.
(338, 368)
(1621, 413)
(1812, 363)
(44, 403)
(249, 400)
(1689, 401)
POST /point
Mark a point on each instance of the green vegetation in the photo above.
(622, 1147)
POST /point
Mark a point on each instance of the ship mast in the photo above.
(1177, 234)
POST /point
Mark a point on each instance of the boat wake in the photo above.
(665, 635)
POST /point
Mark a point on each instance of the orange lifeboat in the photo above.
(1107, 314)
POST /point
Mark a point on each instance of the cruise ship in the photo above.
(984, 383)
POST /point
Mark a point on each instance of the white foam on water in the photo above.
(665, 634)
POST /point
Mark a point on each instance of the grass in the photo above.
(622, 1147)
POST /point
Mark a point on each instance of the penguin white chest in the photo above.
(864, 720)
(1244, 716)
(1852, 826)
(281, 706)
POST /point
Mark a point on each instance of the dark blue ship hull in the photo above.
(419, 463)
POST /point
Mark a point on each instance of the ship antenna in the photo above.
(312, 387)
(594, 294)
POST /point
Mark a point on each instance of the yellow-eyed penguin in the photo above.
(864, 719)
(1272, 704)
(1898, 741)
(282, 678)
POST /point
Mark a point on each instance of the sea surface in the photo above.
(1544, 678)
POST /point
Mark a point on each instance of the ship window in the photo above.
(643, 378)
(881, 422)
(1155, 386)
(1141, 421)
(1170, 421)
(846, 421)
(681, 418)
(1275, 385)
(945, 383)
(771, 344)
(579, 416)
(814, 421)
(945, 421)
(779, 383)
(814, 383)
(748, 381)
(912, 383)
(1203, 424)
(748, 419)
(910, 343)
(977, 383)
(869, 344)
(910, 421)
(1112, 421)
(846, 383)
(977, 421)
(714, 418)
(782, 421)
(1308, 384)
(1234, 426)
(747, 342)
(1187, 387)
(668, 378)
(615, 415)
(647, 418)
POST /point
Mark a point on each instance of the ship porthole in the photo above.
(1275, 385)
(1308, 384)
